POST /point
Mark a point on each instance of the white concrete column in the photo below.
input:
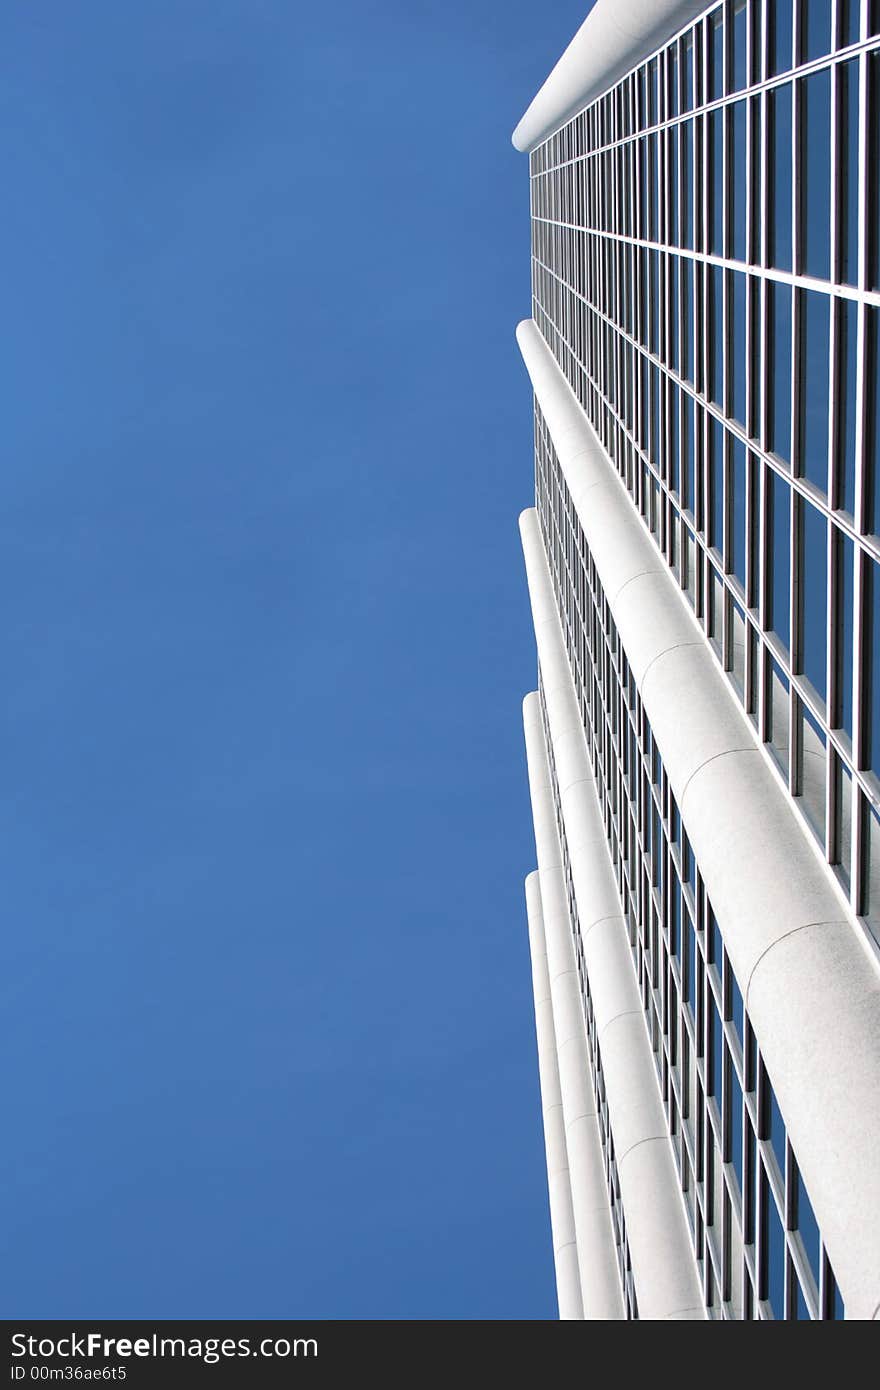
(615, 36)
(663, 1262)
(597, 1255)
(568, 1280)
(810, 985)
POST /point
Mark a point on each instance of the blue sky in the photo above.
(265, 985)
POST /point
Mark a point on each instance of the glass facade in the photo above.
(706, 273)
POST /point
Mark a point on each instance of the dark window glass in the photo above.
(652, 187)
(672, 175)
(675, 310)
(813, 772)
(773, 1252)
(674, 441)
(672, 83)
(874, 17)
(779, 537)
(654, 276)
(874, 171)
(738, 494)
(687, 286)
(716, 57)
(843, 836)
(807, 1227)
(739, 46)
(717, 1045)
(846, 398)
(716, 334)
(780, 18)
(848, 12)
(815, 29)
(736, 1125)
(815, 346)
(779, 380)
(848, 171)
(716, 182)
(873, 627)
(687, 96)
(652, 92)
(737, 181)
(779, 188)
(815, 253)
(775, 1129)
(814, 589)
(715, 508)
(736, 358)
(844, 560)
(872, 417)
(687, 179)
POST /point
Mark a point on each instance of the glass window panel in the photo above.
(672, 84)
(773, 1252)
(815, 347)
(687, 343)
(687, 95)
(814, 759)
(738, 647)
(779, 557)
(846, 407)
(872, 691)
(779, 375)
(675, 312)
(716, 182)
(848, 176)
(736, 1125)
(737, 181)
(716, 334)
(842, 847)
(814, 590)
(778, 716)
(736, 348)
(848, 22)
(738, 499)
(736, 1007)
(815, 29)
(807, 1227)
(779, 177)
(715, 482)
(815, 252)
(672, 202)
(844, 630)
(716, 56)
(780, 20)
(687, 179)
(872, 871)
(873, 247)
(872, 418)
(739, 46)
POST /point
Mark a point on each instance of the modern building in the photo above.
(703, 564)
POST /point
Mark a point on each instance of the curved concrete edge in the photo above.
(631, 1087)
(763, 878)
(615, 36)
(601, 1294)
(568, 1282)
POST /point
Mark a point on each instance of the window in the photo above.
(815, 180)
(813, 387)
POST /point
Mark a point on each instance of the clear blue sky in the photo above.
(266, 1002)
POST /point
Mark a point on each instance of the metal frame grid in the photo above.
(756, 1240)
(706, 271)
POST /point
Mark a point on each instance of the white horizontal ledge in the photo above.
(615, 36)
(811, 988)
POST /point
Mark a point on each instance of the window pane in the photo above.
(872, 417)
(842, 847)
(874, 171)
(739, 502)
(716, 182)
(779, 188)
(739, 46)
(815, 29)
(738, 647)
(815, 254)
(813, 772)
(844, 626)
(778, 716)
(780, 18)
(814, 358)
(773, 1252)
(872, 693)
(716, 333)
(779, 377)
(872, 875)
(779, 557)
(687, 345)
(848, 175)
(737, 181)
(736, 359)
(687, 100)
(715, 507)
(814, 588)
(846, 404)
